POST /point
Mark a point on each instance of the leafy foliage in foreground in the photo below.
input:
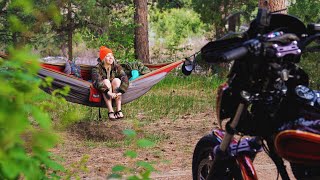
(26, 132)
(25, 127)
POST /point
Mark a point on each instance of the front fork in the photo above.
(221, 154)
(230, 129)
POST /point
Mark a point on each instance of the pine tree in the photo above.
(141, 42)
(274, 5)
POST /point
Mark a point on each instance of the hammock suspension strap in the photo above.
(99, 114)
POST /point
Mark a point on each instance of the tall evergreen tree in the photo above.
(141, 42)
(274, 5)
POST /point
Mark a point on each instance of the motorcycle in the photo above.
(267, 98)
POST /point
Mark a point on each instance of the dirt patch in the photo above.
(98, 130)
(172, 155)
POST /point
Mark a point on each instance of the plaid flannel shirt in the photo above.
(99, 74)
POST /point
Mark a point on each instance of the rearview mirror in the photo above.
(187, 67)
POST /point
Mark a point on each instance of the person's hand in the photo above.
(118, 95)
(112, 95)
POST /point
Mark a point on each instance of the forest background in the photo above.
(74, 29)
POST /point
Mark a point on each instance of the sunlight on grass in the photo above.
(175, 96)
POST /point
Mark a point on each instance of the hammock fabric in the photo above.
(80, 88)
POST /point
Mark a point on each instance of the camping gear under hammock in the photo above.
(80, 88)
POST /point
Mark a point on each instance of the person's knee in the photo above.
(116, 82)
(107, 82)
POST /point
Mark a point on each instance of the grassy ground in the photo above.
(174, 96)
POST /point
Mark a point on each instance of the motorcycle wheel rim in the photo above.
(204, 168)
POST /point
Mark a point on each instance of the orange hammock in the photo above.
(81, 89)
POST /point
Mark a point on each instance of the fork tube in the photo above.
(228, 137)
(219, 164)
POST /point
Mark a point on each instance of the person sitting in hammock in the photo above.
(109, 78)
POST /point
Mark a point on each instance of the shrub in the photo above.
(307, 10)
(174, 26)
(311, 64)
(26, 132)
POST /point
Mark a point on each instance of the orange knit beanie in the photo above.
(104, 51)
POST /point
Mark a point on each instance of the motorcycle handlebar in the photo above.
(234, 54)
(310, 39)
(254, 45)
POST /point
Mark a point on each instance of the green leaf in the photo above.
(47, 82)
(118, 168)
(145, 143)
(146, 174)
(42, 140)
(52, 164)
(42, 118)
(131, 154)
(18, 153)
(134, 178)
(115, 176)
(145, 165)
(129, 133)
(10, 168)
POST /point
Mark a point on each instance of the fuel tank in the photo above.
(299, 141)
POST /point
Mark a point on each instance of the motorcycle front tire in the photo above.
(203, 157)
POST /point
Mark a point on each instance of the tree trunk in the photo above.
(274, 5)
(70, 30)
(141, 42)
(233, 21)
